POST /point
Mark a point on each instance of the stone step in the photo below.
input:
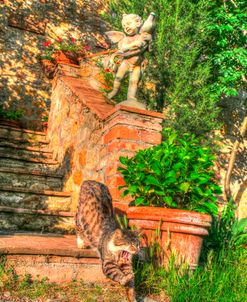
(50, 255)
(6, 141)
(25, 178)
(45, 166)
(23, 219)
(27, 156)
(18, 146)
(11, 134)
(25, 153)
(34, 198)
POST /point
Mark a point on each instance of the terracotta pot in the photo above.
(10, 123)
(67, 57)
(48, 68)
(181, 232)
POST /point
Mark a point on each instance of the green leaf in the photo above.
(156, 168)
(168, 200)
(184, 186)
(139, 201)
(123, 160)
(151, 180)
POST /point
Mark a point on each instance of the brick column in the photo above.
(126, 130)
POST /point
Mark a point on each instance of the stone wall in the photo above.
(24, 26)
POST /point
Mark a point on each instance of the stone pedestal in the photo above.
(87, 135)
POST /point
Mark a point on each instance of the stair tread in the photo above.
(34, 211)
(26, 140)
(41, 192)
(29, 158)
(23, 130)
(25, 148)
(31, 172)
(43, 244)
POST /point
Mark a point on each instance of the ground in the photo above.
(27, 291)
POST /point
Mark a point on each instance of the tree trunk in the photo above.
(227, 190)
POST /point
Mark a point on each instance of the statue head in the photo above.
(131, 24)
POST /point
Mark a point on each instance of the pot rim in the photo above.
(169, 215)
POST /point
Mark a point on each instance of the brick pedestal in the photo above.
(126, 130)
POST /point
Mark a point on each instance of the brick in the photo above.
(116, 195)
(130, 110)
(111, 169)
(144, 122)
(121, 132)
(150, 137)
(115, 181)
(126, 145)
(113, 157)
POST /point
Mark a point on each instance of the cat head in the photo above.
(124, 244)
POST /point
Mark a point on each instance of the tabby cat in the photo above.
(97, 227)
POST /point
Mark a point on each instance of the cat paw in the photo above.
(80, 243)
(126, 279)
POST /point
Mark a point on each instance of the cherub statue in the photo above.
(131, 48)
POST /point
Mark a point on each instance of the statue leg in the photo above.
(123, 68)
(133, 83)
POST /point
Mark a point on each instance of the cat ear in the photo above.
(139, 232)
(118, 233)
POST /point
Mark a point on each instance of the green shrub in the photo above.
(227, 233)
(10, 114)
(178, 173)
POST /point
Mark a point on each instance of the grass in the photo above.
(221, 279)
(23, 288)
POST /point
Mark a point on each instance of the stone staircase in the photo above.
(36, 223)
(31, 196)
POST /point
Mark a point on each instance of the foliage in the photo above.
(10, 114)
(109, 76)
(226, 46)
(227, 232)
(177, 173)
(178, 66)
(68, 44)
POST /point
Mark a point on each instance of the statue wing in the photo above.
(115, 36)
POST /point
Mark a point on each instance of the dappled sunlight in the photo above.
(25, 25)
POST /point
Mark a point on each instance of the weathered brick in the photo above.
(115, 181)
(121, 132)
(126, 145)
(111, 169)
(150, 137)
(125, 119)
